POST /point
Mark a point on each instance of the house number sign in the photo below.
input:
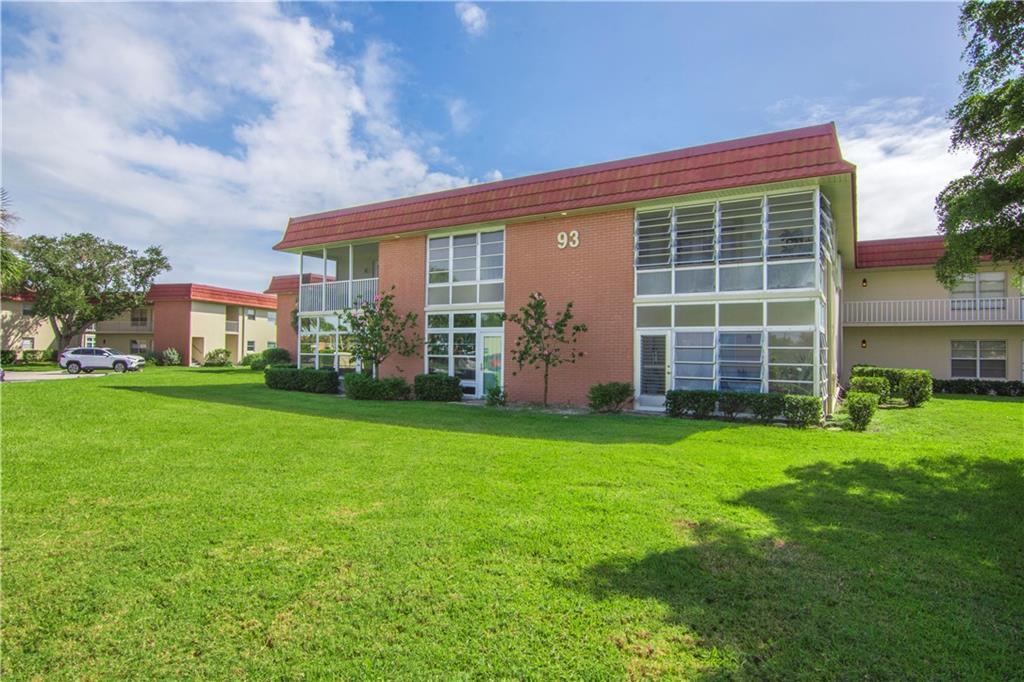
(570, 239)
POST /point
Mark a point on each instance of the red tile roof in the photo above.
(787, 155)
(211, 294)
(887, 253)
(289, 284)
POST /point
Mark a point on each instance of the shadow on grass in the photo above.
(875, 572)
(527, 423)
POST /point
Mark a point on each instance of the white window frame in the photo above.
(476, 282)
(978, 359)
(450, 330)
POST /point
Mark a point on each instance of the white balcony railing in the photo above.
(231, 326)
(322, 297)
(124, 326)
(1002, 310)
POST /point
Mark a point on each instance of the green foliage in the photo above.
(81, 279)
(983, 213)
(359, 386)
(248, 358)
(41, 355)
(1014, 389)
(218, 357)
(699, 404)
(277, 356)
(802, 411)
(12, 268)
(610, 397)
(913, 386)
(378, 331)
(865, 384)
(7, 357)
(861, 407)
(731, 403)
(307, 379)
(766, 407)
(545, 341)
(495, 396)
(170, 356)
(258, 365)
(439, 387)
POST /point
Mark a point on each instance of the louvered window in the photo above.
(741, 230)
(654, 239)
(695, 234)
(791, 226)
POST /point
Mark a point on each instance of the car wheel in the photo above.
(74, 368)
(120, 367)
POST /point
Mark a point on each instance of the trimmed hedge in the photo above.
(307, 379)
(249, 358)
(861, 407)
(44, 355)
(277, 356)
(360, 386)
(610, 397)
(877, 385)
(437, 387)
(8, 357)
(1014, 389)
(914, 386)
(699, 404)
(766, 407)
(259, 364)
(802, 411)
(731, 403)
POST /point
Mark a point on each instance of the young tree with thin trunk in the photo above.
(80, 279)
(545, 341)
(377, 331)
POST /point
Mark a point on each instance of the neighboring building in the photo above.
(192, 318)
(21, 329)
(710, 267)
(896, 314)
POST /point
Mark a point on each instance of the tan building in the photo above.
(192, 318)
(896, 314)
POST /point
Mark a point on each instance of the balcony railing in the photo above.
(935, 311)
(322, 297)
(125, 326)
(231, 326)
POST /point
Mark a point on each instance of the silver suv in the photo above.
(76, 360)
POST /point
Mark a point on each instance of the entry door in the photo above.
(491, 349)
(653, 369)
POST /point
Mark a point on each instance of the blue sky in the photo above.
(202, 127)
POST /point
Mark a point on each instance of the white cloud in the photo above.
(902, 157)
(459, 114)
(472, 16)
(115, 119)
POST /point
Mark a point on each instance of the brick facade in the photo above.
(403, 265)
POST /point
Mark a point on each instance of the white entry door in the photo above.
(492, 347)
(652, 369)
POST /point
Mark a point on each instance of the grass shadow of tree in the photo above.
(914, 571)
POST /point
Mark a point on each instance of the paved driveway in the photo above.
(46, 376)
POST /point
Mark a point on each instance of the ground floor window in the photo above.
(467, 345)
(976, 359)
(250, 346)
(271, 344)
(28, 343)
(138, 347)
(323, 343)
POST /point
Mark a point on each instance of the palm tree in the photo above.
(11, 268)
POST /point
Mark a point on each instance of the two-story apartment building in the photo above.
(192, 318)
(896, 314)
(713, 266)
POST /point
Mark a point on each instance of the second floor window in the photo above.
(466, 268)
(250, 313)
(272, 316)
(982, 291)
(140, 317)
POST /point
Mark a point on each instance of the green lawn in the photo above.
(194, 523)
(33, 367)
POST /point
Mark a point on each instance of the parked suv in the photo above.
(76, 360)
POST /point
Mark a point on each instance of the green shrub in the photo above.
(277, 356)
(766, 407)
(495, 396)
(152, 358)
(610, 397)
(802, 411)
(170, 356)
(877, 385)
(258, 365)
(915, 386)
(861, 407)
(699, 404)
(1014, 389)
(437, 387)
(731, 403)
(248, 358)
(8, 357)
(219, 357)
(359, 386)
(307, 379)
(34, 356)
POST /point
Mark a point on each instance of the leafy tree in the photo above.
(378, 331)
(11, 267)
(545, 341)
(983, 213)
(81, 279)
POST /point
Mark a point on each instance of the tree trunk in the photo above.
(546, 368)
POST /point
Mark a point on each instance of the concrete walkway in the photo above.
(12, 377)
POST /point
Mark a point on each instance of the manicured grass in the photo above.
(184, 522)
(32, 367)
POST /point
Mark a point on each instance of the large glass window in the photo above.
(457, 342)
(466, 268)
(978, 359)
(323, 343)
(983, 291)
(791, 362)
(739, 361)
(694, 360)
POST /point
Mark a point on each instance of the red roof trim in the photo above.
(902, 251)
(210, 294)
(775, 157)
(289, 284)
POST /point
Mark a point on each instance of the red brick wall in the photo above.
(403, 265)
(597, 276)
(287, 337)
(172, 328)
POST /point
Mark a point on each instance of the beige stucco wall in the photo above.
(261, 330)
(925, 347)
(207, 321)
(14, 326)
(886, 284)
